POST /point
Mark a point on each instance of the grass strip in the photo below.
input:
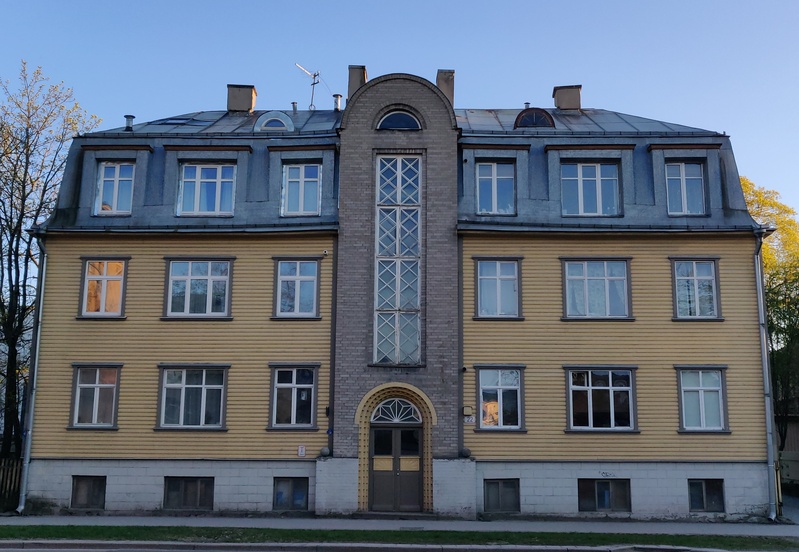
(251, 535)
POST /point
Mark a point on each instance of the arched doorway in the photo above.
(376, 405)
(395, 457)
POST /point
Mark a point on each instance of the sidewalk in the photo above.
(786, 527)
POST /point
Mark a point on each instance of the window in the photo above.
(590, 189)
(706, 495)
(188, 493)
(88, 492)
(115, 189)
(206, 190)
(103, 288)
(273, 121)
(609, 495)
(296, 288)
(199, 288)
(95, 402)
(596, 289)
(193, 397)
(291, 493)
(397, 305)
(533, 117)
(685, 189)
(293, 397)
(399, 120)
(499, 398)
(495, 190)
(702, 399)
(695, 289)
(301, 190)
(501, 495)
(601, 399)
(497, 288)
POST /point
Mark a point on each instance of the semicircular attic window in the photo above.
(274, 121)
(533, 117)
(399, 120)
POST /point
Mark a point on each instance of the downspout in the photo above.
(760, 233)
(28, 428)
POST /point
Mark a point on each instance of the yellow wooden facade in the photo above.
(653, 342)
(143, 339)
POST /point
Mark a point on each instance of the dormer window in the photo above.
(274, 124)
(274, 121)
(399, 120)
(533, 117)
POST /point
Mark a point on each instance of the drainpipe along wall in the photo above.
(28, 431)
(760, 233)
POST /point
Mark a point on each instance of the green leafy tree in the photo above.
(781, 275)
(37, 123)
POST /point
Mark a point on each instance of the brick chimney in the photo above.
(357, 79)
(445, 80)
(567, 97)
(241, 98)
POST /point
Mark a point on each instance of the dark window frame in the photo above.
(290, 503)
(97, 484)
(502, 484)
(204, 498)
(619, 497)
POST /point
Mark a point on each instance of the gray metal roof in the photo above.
(471, 121)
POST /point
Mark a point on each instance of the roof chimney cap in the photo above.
(241, 98)
(129, 122)
(567, 97)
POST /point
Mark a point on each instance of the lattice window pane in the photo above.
(385, 346)
(388, 182)
(387, 233)
(409, 285)
(386, 285)
(409, 338)
(410, 181)
(409, 232)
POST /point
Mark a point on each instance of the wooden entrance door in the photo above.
(395, 469)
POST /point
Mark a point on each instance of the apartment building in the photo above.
(398, 306)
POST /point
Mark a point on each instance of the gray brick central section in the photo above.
(436, 143)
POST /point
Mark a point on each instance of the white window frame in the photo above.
(581, 189)
(115, 181)
(96, 386)
(682, 180)
(187, 279)
(500, 388)
(398, 321)
(183, 386)
(694, 283)
(498, 279)
(570, 311)
(302, 182)
(612, 388)
(105, 282)
(296, 390)
(493, 209)
(218, 182)
(703, 390)
(297, 279)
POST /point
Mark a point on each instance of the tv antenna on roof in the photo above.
(315, 77)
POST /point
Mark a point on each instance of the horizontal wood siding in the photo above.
(653, 342)
(248, 343)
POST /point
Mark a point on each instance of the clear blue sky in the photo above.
(723, 65)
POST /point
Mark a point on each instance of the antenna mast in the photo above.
(315, 80)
